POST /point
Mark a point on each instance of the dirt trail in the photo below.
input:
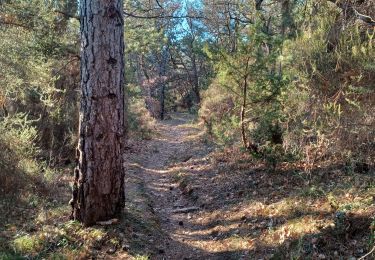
(174, 151)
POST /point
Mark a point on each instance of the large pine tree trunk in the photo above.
(98, 192)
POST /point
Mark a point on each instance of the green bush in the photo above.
(331, 96)
(219, 114)
(317, 105)
(140, 122)
(18, 152)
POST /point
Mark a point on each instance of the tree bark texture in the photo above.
(162, 74)
(246, 143)
(98, 191)
(195, 78)
(242, 117)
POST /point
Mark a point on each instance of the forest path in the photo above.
(174, 153)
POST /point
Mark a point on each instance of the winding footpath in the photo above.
(172, 152)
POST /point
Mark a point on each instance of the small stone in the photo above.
(111, 251)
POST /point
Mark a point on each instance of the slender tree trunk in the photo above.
(162, 74)
(195, 78)
(98, 192)
(246, 143)
(162, 101)
(287, 18)
(243, 108)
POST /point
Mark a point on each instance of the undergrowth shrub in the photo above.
(219, 114)
(244, 101)
(141, 122)
(323, 105)
(28, 245)
(334, 118)
(40, 74)
(18, 152)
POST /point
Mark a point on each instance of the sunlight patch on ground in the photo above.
(295, 228)
(231, 244)
(136, 165)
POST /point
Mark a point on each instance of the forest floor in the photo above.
(187, 198)
(216, 203)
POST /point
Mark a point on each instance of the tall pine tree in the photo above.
(98, 192)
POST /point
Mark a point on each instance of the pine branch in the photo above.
(347, 7)
(364, 18)
(68, 15)
(24, 26)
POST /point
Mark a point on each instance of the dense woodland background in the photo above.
(286, 84)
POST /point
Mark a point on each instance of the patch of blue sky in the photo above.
(181, 27)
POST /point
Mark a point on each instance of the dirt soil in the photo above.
(162, 164)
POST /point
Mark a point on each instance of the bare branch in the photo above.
(162, 16)
(68, 15)
(364, 18)
(353, 12)
(158, 3)
(24, 26)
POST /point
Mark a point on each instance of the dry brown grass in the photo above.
(252, 212)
